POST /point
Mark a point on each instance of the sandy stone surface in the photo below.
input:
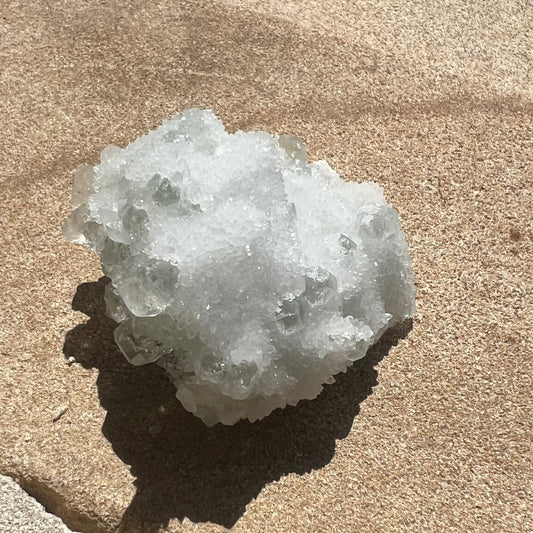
(20, 513)
(434, 101)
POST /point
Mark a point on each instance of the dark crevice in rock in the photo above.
(55, 503)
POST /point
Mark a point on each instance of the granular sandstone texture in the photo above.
(20, 513)
(434, 102)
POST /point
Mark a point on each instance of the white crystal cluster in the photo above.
(250, 275)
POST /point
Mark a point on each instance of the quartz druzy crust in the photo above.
(250, 275)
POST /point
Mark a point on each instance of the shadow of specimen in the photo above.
(186, 469)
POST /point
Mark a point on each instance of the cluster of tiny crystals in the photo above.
(250, 275)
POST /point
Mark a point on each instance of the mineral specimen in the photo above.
(250, 275)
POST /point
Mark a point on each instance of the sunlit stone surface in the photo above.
(250, 275)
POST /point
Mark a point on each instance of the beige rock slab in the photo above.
(20, 513)
(433, 101)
